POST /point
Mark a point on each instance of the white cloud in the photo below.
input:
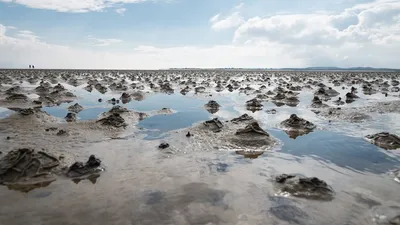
(375, 23)
(366, 34)
(232, 21)
(77, 6)
(120, 11)
(104, 42)
(214, 18)
(45, 55)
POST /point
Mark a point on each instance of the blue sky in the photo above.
(133, 34)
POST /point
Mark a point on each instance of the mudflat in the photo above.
(199, 147)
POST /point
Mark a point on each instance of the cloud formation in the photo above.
(372, 23)
(22, 52)
(231, 21)
(362, 35)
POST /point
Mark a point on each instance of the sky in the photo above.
(161, 34)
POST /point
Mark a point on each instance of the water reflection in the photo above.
(296, 133)
(4, 113)
(193, 203)
(344, 151)
(26, 187)
(160, 124)
(249, 154)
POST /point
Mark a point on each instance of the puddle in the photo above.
(341, 150)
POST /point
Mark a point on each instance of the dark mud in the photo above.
(305, 187)
(385, 140)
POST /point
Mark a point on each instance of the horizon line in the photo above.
(327, 68)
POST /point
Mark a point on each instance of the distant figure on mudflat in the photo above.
(30, 66)
(33, 66)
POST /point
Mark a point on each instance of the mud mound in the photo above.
(296, 126)
(118, 109)
(252, 136)
(291, 101)
(70, 117)
(254, 105)
(75, 108)
(317, 103)
(114, 120)
(214, 125)
(252, 129)
(351, 97)
(385, 140)
(200, 89)
(24, 164)
(89, 170)
(17, 97)
(298, 123)
(212, 107)
(242, 118)
(246, 135)
(328, 92)
(304, 187)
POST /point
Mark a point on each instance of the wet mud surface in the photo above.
(199, 147)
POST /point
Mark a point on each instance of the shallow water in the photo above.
(144, 185)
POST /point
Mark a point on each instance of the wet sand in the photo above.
(200, 179)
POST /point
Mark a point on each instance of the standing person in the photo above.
(33, 66)
(30, 66)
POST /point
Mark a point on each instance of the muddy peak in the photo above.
(317, 100)
(296, 122)
(385, 140)
(70, 117)
(125, 95)
(294, 117)
(254, 103)
(76, 108)
(305, 187)
(253, 128)
(114, 120)
(59, 87)
(31, 164)
(244, 117)
(80, 169)
(118, 109)
(212, 104)
(214, 124)
(17, 97)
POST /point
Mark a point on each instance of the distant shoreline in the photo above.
(308, 69)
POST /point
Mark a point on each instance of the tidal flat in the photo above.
(199, 147)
